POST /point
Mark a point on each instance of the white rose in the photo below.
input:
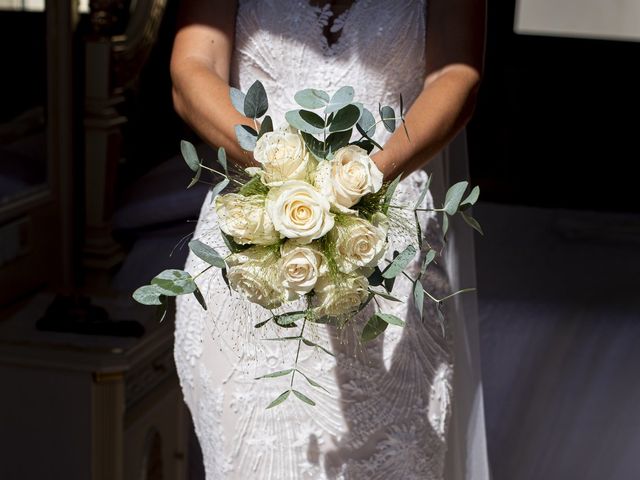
(349, 176)
(340, 297)
(254, 274)
(360, 243)
(245, 219)
(299, 211)
(283, 156)
(300, 268)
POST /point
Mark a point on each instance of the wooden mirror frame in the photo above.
(41, 223)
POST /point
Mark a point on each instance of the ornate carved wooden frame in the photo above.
(43, 219)
(124, 32)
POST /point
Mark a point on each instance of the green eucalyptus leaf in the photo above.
(429, 257)
(472, 198)
(281, 373)
(281, 398)
(218, 188)
(337, 140)
(315, 146)
(374, 327)
(342, 97)
(445, 224)
(174, 282)
(200, 298)
(148, 295)
(287, 319)
(388, 195)
(423, 194)
(289, 325)
(295, 119)
(266, 126)
(360, 108)
(207, 253)
(453, 197)
(195, 178)
(388, 283)
(386, 296)
(472, 222)
(364, 144)
(366, 137)
(262, 323)
(388, 117)
(309, 343)
(367, 123)
(237, 100)
(231, 243)
(376, 278)
(404, 124)
(312, 98)
(312, 382)
(406, 131)
(312, 119)
(255, 102)
(190, 155)
(418, 296)
(225, 278)
(303, 397)
(345, 119)
(164, 309)
(400, 262)
(391, 319)
(247, 137)
(282, 339)
(222, 159)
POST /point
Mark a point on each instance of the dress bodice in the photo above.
(380, 51)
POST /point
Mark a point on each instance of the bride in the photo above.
(407, 405)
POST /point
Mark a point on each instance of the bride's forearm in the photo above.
(201, 98)
(443, 107)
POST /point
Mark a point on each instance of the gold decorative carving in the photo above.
(109, 17)
(115, 54)
(108, 377)
(132, 51)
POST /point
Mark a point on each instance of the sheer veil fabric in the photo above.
(467, 456)
(407, 405)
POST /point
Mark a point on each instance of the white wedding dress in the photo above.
(407, 405)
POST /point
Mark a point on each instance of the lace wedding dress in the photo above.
(407, 405)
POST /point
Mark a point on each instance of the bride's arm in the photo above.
(454, 55)
(200, 63)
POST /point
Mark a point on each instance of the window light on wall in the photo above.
(600, 19)
(36, 5)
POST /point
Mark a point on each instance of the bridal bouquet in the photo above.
(312, 221)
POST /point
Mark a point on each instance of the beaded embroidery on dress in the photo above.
(386, 406)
